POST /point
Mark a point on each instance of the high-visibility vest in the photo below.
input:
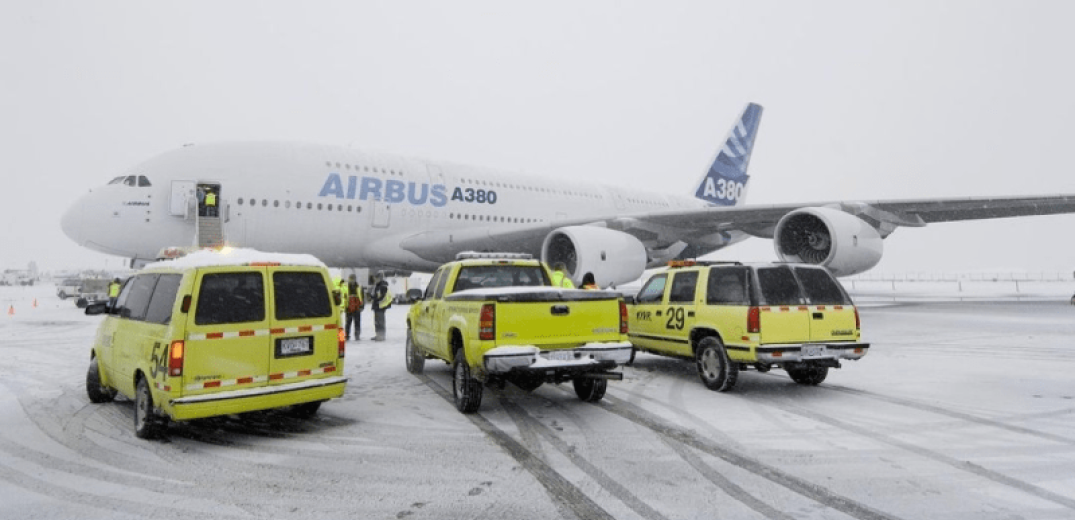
(560, 280)
(113, 289)
(210, 199)
(386, 300)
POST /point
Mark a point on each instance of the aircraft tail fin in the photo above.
(725, 183)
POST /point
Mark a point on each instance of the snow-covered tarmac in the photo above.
(961, 410)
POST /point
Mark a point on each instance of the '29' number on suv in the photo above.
(675, 318)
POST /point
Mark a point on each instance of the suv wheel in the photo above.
(808, 375)
(590, 390)
(466, 390)
(716, 370)
(416, 362)
(146, 423)
(98, 393)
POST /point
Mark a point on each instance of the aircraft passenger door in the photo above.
(182, 197)
(382, 214)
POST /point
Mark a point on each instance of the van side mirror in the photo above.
(97, 308)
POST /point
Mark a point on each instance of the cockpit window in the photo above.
(131, 180)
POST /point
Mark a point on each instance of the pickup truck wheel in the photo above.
(466, 389)
(98, 393)
(808, 375)
(146, 423)
(590, 390)
(416, 362)
(716, 370)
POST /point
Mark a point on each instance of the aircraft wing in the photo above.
(662, 229)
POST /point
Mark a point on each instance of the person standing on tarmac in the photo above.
(382, 300)
(355, 304)
(210, 203)
(113, 292)
(559, 279)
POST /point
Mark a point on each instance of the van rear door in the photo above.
(304, 324)
(785, 318)
(832, 314)
(227, 331)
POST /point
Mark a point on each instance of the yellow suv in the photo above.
(217, 333)
(730, 316)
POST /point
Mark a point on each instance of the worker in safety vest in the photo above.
(559, 279)
(354, 305)
(210, 203)
(588, 282)
(113, 292)
(382, 300)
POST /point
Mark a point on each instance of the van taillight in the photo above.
(623, 317)
(858, 325)
(341, 337)
(487, 325)
(754, 320)
(175, 358)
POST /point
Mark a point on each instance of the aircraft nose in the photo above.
(72, 221)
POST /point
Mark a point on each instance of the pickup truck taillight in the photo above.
(754, 320)
(487, 324)
(623, 317)
(858, 324)
(175, 358)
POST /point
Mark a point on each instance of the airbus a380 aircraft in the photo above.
(354, 209)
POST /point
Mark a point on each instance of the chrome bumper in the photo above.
(501, 360)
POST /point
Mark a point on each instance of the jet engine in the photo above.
(612, 256)
(842, 242)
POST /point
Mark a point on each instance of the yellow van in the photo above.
(217, 333)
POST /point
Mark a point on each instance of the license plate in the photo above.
(294, 346)
(562, 355)
(814, 351)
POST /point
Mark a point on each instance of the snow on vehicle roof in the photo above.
(237, 256)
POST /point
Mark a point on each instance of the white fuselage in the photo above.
(346, 207)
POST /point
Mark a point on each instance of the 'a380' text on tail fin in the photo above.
(725, 184)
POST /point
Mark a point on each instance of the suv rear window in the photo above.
(728, 286)
(778, 286)
(820, 287)
(231, 298)
(483, 276)
(300, 295)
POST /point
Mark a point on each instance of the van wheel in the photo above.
(466, 389)
(305, 410)
(716, 370)
(808, 375)
(590, 390)
(146, 423)
(98, 393)
(416, 361)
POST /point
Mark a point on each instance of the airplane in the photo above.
(355, 209)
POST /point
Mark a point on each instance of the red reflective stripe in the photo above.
(330, 369)
(246, 333)
(785, 308)
(304, 372)
(839, 307)
(276, 376)
(214, 335)
(276, 331)
(211, 384)
(331, 326)
(244, 380)
(306, 328)
(820, 307)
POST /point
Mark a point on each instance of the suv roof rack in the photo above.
(470, 255)
(690, 263)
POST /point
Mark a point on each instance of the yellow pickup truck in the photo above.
(496, 318)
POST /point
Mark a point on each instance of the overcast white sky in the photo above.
(864, 101)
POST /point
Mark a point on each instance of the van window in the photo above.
(778, 286)
(300, 295)
(821, 288)
(654, 289)
(163, 300)
(728, 286)
(134, 307)
(433, 284)
(683, 287)
(230, 298)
